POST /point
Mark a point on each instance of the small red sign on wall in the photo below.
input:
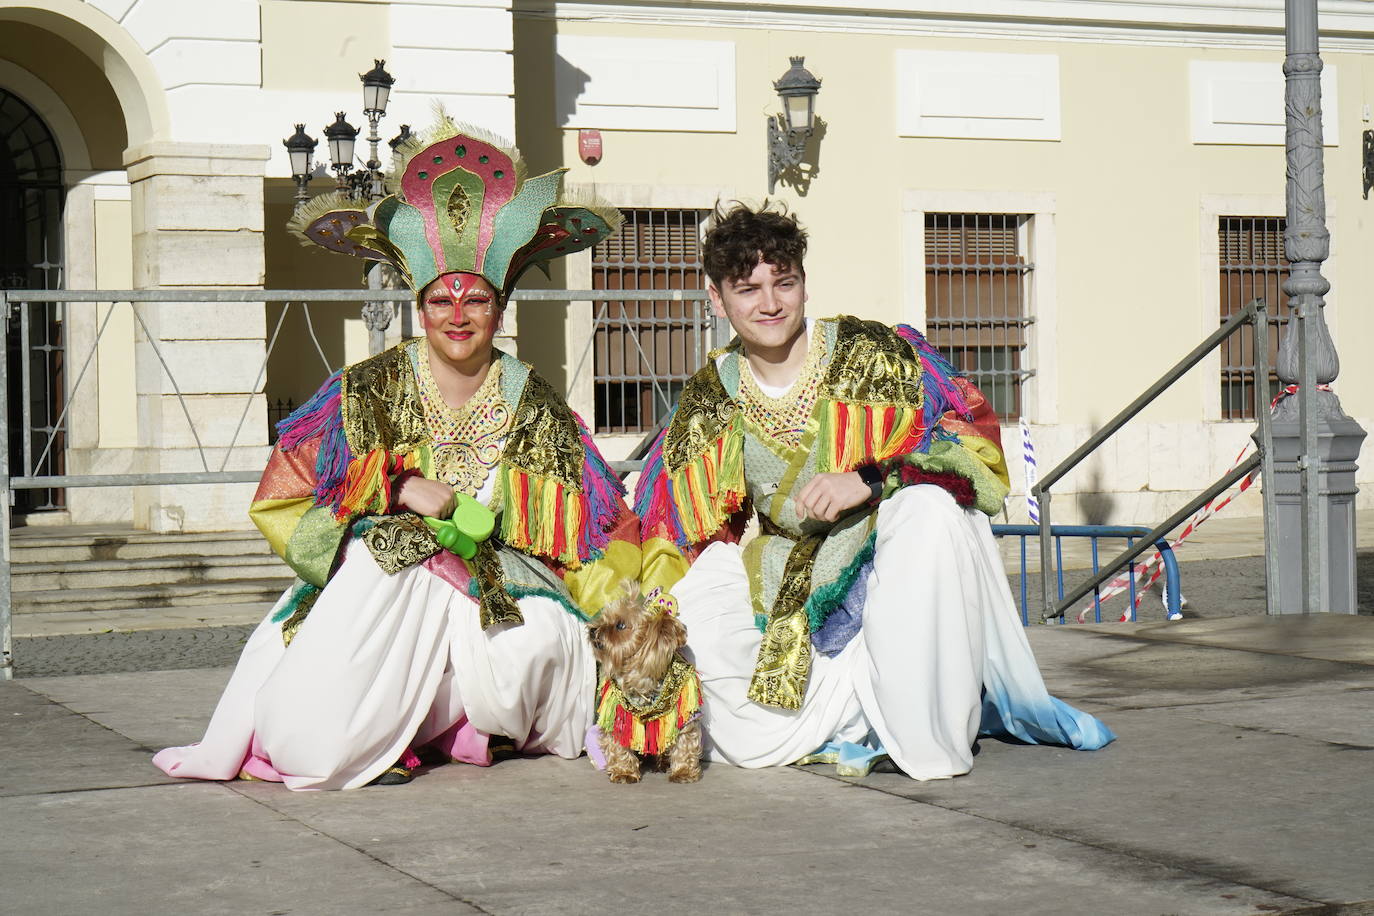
(589, 146)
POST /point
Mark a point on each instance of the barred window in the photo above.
(977, 296)
(1252, 266)
(646, 351)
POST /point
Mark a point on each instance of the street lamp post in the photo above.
(367, 183)
(299, 149)
(1310, 544)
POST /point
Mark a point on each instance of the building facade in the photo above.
(1067, 196)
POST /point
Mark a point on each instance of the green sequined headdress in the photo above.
(464, 204)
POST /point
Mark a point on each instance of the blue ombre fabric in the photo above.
(1040, 720)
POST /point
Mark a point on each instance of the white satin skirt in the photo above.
(385, 662)
(941, 656)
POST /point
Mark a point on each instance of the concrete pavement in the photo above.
(1242, 783)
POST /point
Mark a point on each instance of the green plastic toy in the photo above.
(471, 524)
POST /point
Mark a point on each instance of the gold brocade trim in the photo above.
(646, 709)
(381, 406)
(292, 624)
(783, 420)
(397, 542)
(704, 413)
(784, 661)
(467, 439)
(872, 364)
(495, 604)
(544, 439)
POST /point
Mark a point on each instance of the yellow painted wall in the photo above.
(115, 356)
(321, 44)
(79, 82)
(1126, 177)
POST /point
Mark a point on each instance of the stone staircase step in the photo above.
(115, 568)
(151, 596)
(133, 573)
(29, 545)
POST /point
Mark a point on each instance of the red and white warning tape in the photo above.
(1154, 567)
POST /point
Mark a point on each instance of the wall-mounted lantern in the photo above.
(789, 131)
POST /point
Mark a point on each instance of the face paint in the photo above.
(460, 317)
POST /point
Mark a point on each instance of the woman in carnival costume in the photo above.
(388, 642)
(870, 617)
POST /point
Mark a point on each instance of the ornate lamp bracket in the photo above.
(1368, 162)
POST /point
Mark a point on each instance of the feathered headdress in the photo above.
(464, 205)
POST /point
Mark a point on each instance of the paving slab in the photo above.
(180, 849)
(47, 748)
(1109, 668)
(1283, 813)
(153, 709)
(738, 842)
(1243, 782)
(1332, 637)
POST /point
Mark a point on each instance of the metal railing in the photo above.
(1255, 314)
(28, 480)
(1095, 533)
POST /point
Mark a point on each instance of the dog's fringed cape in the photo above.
(885, 397)
(650, 727)
(339, 456)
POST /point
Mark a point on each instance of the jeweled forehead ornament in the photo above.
(464, 204)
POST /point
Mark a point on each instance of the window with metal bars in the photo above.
(645, 351)
(977, 275)
(1252, 266)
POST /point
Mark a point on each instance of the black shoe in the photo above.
(501, 748)
(394, 776)
(885, 765)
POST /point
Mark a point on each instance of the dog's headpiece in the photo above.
(464, 204)
(659, 602)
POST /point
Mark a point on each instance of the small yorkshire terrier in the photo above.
(649, 696)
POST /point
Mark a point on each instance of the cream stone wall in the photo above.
(186, 93)
(1125, 199)
(1126, 206)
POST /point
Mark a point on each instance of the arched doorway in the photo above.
(31, 200)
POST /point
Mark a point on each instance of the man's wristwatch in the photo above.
(871, 475)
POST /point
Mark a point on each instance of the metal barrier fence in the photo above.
(36, 452)
(1094, 533)
(28, 480)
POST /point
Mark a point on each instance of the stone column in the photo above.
(197, 214)
(1315, 443)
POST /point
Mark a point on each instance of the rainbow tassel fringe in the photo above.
(543, 517)
(603, 494)
(855, 434)
(367, 484)
(691, 504)
(655, 736)
(937, 381)
(322, 416)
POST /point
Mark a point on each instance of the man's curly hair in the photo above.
(739, 238)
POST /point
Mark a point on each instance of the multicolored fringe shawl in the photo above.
(851, 433)
(348, 485)
(542, 516)
(690, 504)
(539, 515)
(322, 416)
(653, 727)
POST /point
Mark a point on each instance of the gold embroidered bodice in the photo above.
(467, 440)
(783, 419)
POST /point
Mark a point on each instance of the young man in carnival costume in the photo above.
(870, 616)
(387, 642)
